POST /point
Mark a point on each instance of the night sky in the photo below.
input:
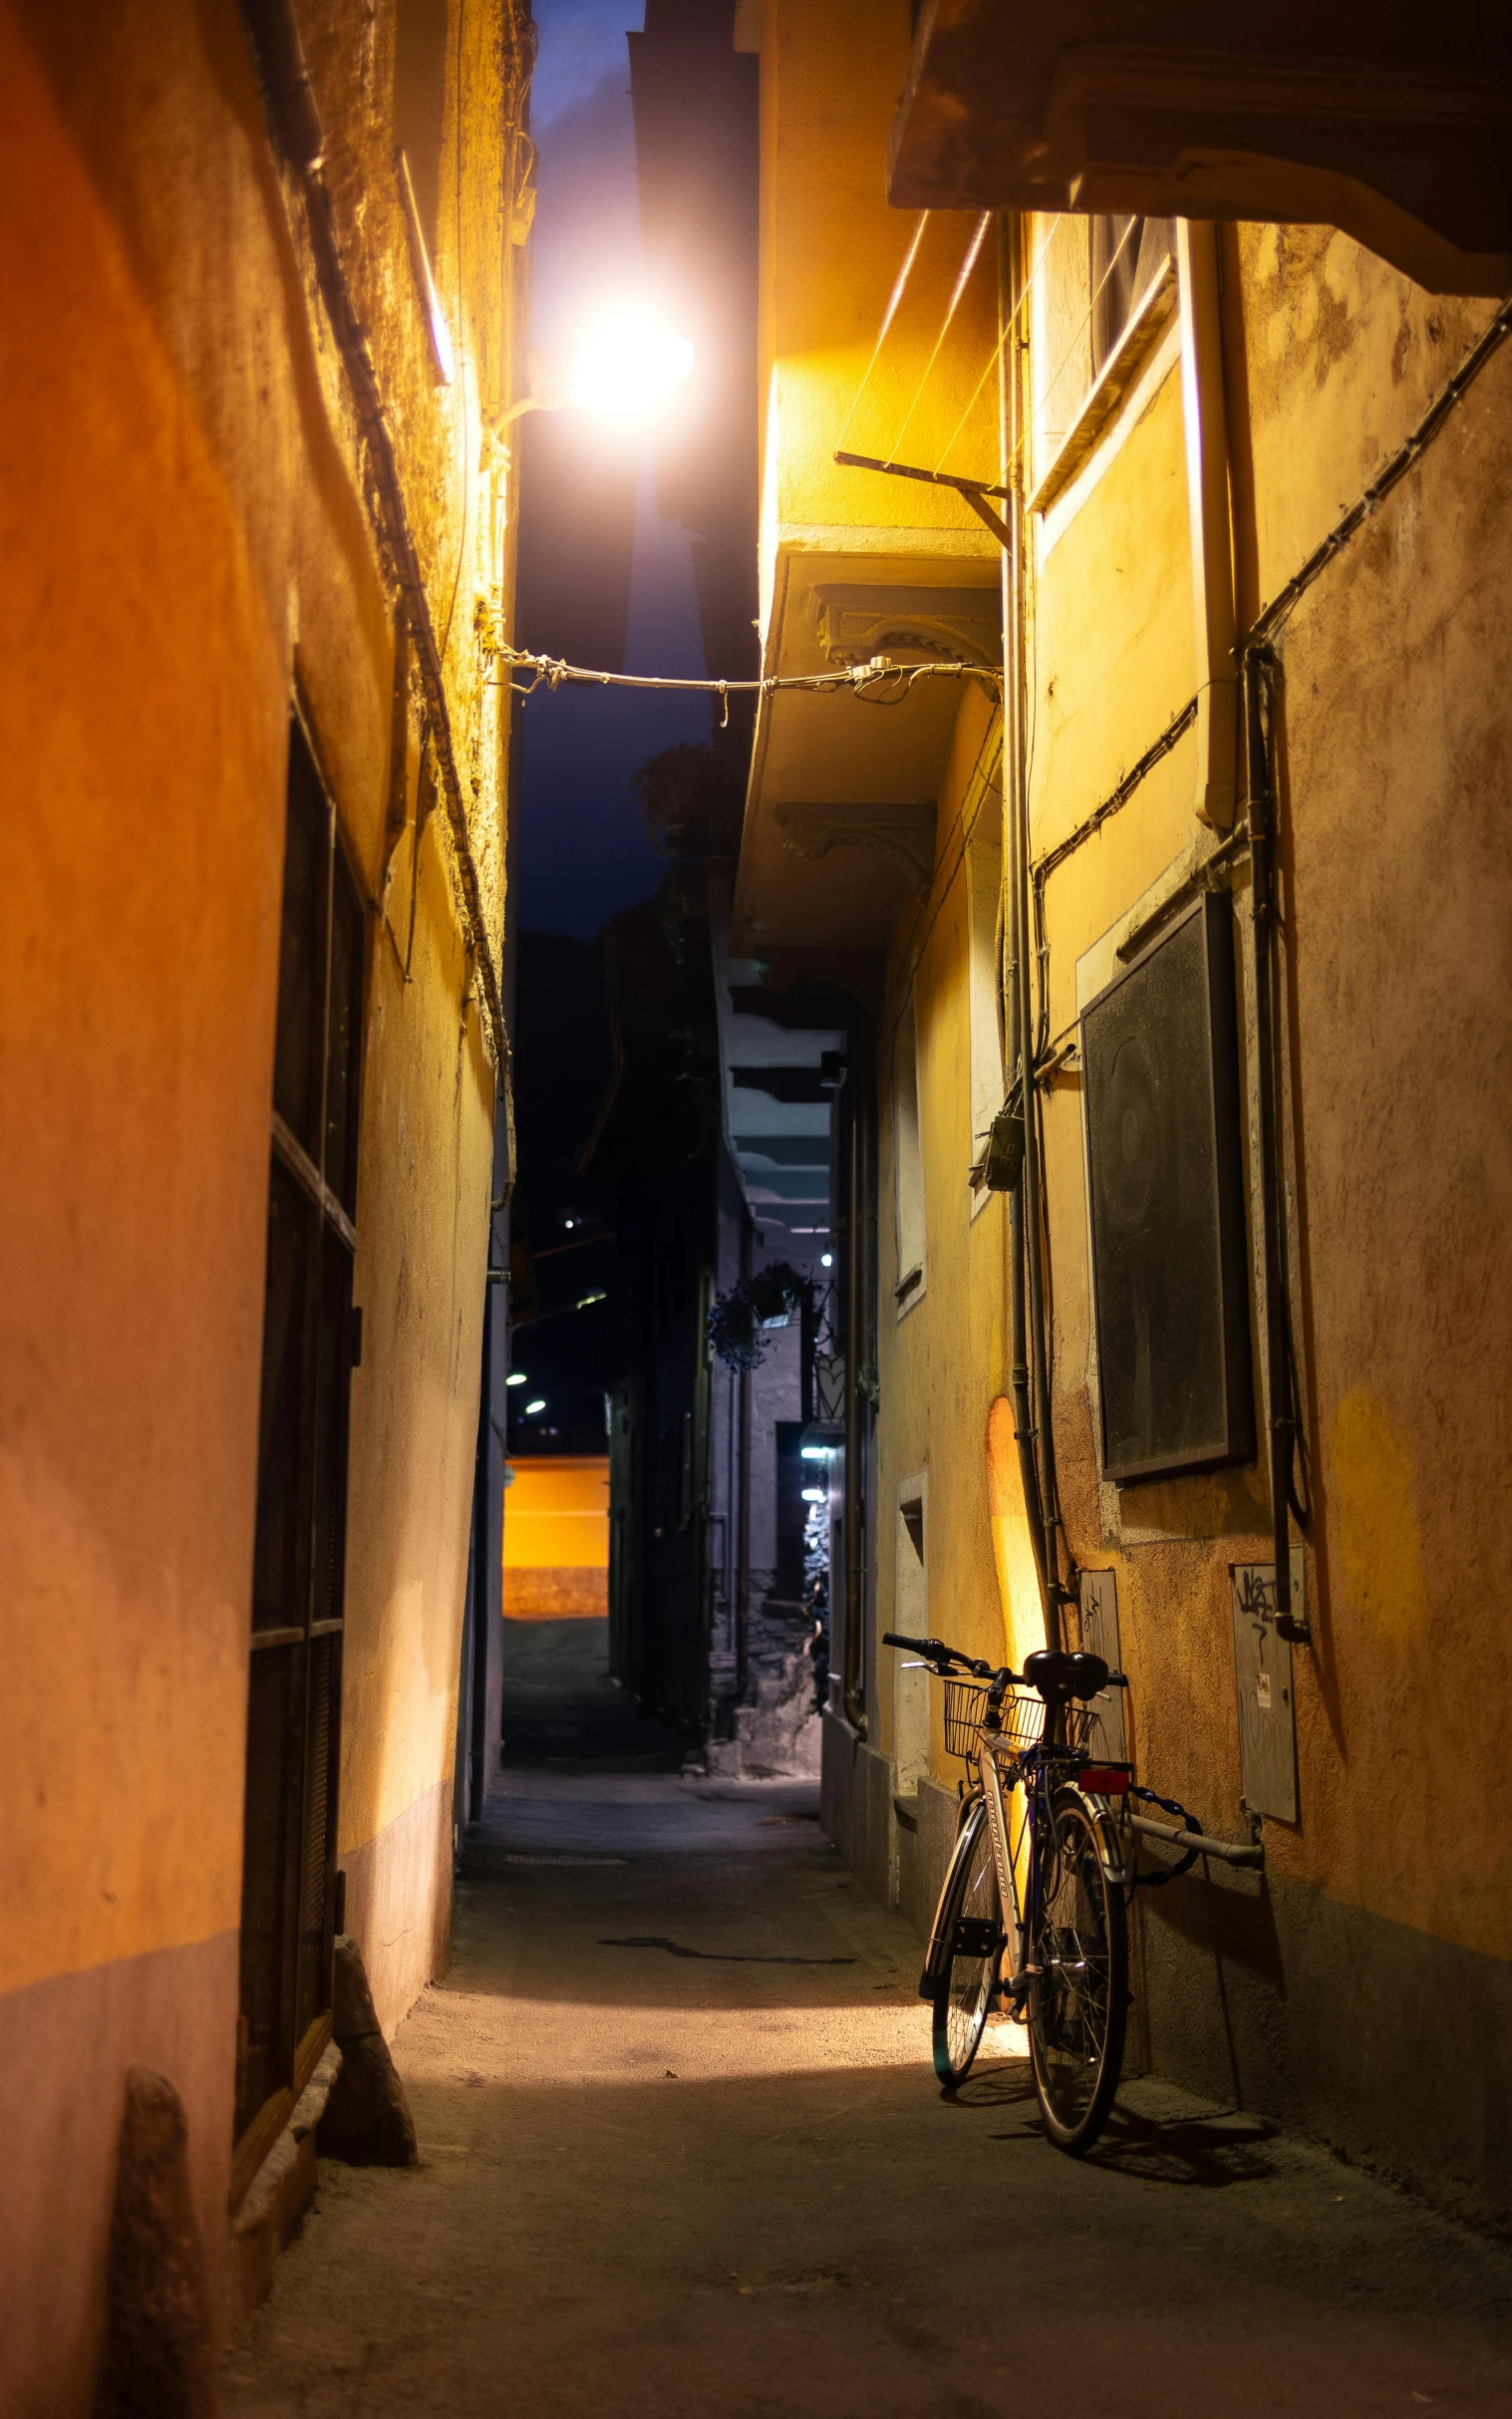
(583, 848)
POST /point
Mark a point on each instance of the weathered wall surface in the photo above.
(1373, 1959)
(184, 539)
(1326, 1992)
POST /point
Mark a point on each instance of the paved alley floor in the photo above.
(683, 2154)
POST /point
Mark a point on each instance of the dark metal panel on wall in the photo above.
(1170, 1303)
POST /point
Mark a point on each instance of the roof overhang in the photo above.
(839, 829)
(1390, 120)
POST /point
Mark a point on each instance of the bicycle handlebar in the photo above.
(942, 1657)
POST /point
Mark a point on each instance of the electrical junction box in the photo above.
(1105, 1741)
(1263, 1680)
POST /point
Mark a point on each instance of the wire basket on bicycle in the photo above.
(965, 1705)
(1023, 1720)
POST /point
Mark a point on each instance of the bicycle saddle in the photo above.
(1058, 1676)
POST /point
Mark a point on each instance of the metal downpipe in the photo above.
(1020, 1051)
(1262, 821)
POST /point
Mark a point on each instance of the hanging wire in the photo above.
(993, 357)
(1053, 382)
(973, 251)
(888, 317)
(881, 674)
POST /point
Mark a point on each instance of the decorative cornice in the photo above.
(905, 835)
(912, 625)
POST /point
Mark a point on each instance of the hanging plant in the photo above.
(741, 1321)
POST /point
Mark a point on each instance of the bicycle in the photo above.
(1068, 1930)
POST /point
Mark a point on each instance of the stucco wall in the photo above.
(1374, 1954)
(183, 537)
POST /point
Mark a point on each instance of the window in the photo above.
(908, 1163)
(309, 1329)
(1125, 257)
(984, 879)
(1104, 295)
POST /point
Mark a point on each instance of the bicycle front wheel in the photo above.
(1079, 1979)
(974, 1918)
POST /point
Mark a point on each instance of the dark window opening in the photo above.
(1127, 257)
(293, 1725)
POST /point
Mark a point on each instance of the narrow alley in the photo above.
(756, 1209)
(682, 2152)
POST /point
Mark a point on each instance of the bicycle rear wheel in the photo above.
(1078, 1979)
(974, 1917)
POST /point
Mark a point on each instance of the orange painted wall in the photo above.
(183, 538)
(556, 1539)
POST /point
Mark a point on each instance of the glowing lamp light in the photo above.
(630, 367)
(813, 1452)
(826, 1259)
(531, 1409)
(816, 1495)
(516, 1377)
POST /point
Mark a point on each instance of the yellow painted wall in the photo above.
(1376, 1951)
(831, 253)
(183, 538)
(1398, 903)
(942, 1362)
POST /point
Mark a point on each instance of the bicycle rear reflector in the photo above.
(1105, 1780)
(974, 1936)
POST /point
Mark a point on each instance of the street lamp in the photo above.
(629, 365)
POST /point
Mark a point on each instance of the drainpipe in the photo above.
(1207, 488)
(1020, 1049)
(1280, 1433)
(860, 1250)
(743, 1508)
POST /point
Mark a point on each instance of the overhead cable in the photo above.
(973, 254)
(880, 672)
(1005, 332)
(888, 316)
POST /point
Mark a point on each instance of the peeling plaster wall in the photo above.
(1371, 1961)
(184, 537)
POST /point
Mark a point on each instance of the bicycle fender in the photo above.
(1104, 1830)
(937, 1961)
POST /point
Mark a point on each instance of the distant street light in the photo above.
(516, 1377)
(628, 368)
(532, 1407)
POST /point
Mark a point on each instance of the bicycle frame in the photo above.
(1039, 1770)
